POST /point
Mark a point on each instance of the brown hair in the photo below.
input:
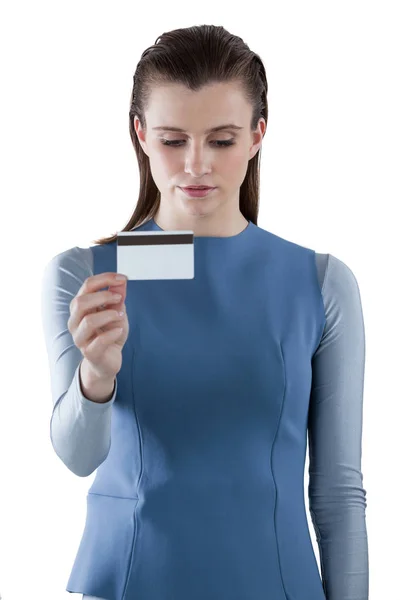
(195, 56)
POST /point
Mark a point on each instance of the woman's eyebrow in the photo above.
(218, 128)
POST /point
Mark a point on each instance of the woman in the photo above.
(194, 405)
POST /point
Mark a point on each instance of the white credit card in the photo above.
(156, 254)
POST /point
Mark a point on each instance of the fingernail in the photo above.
(121, 277)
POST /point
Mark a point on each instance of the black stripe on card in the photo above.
(153, 240)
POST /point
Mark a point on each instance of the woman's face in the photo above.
(197, 157)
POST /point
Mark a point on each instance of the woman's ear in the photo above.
(141, 134)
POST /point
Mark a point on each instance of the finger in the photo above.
(95, 283)
(94, 325)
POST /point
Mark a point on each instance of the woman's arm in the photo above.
(337, 498)
(80, 428)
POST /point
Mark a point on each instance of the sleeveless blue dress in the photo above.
(200, 492)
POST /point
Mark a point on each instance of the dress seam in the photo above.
(135, 534)
(272, 470)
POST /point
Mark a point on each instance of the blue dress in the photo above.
(200, 453)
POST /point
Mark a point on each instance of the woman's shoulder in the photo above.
(335, 275)
(340, 292)
(67, 270)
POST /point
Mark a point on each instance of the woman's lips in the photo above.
(197, 192)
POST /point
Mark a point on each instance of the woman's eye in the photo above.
(218, 143)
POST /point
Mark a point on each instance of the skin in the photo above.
(196, 159)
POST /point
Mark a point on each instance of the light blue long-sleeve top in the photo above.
(80, 429)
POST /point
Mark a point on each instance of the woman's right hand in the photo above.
(100, 334)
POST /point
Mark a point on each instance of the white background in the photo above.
(330, 181)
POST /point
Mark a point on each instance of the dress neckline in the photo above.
(237, 236)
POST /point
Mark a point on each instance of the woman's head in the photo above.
(196, 79)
